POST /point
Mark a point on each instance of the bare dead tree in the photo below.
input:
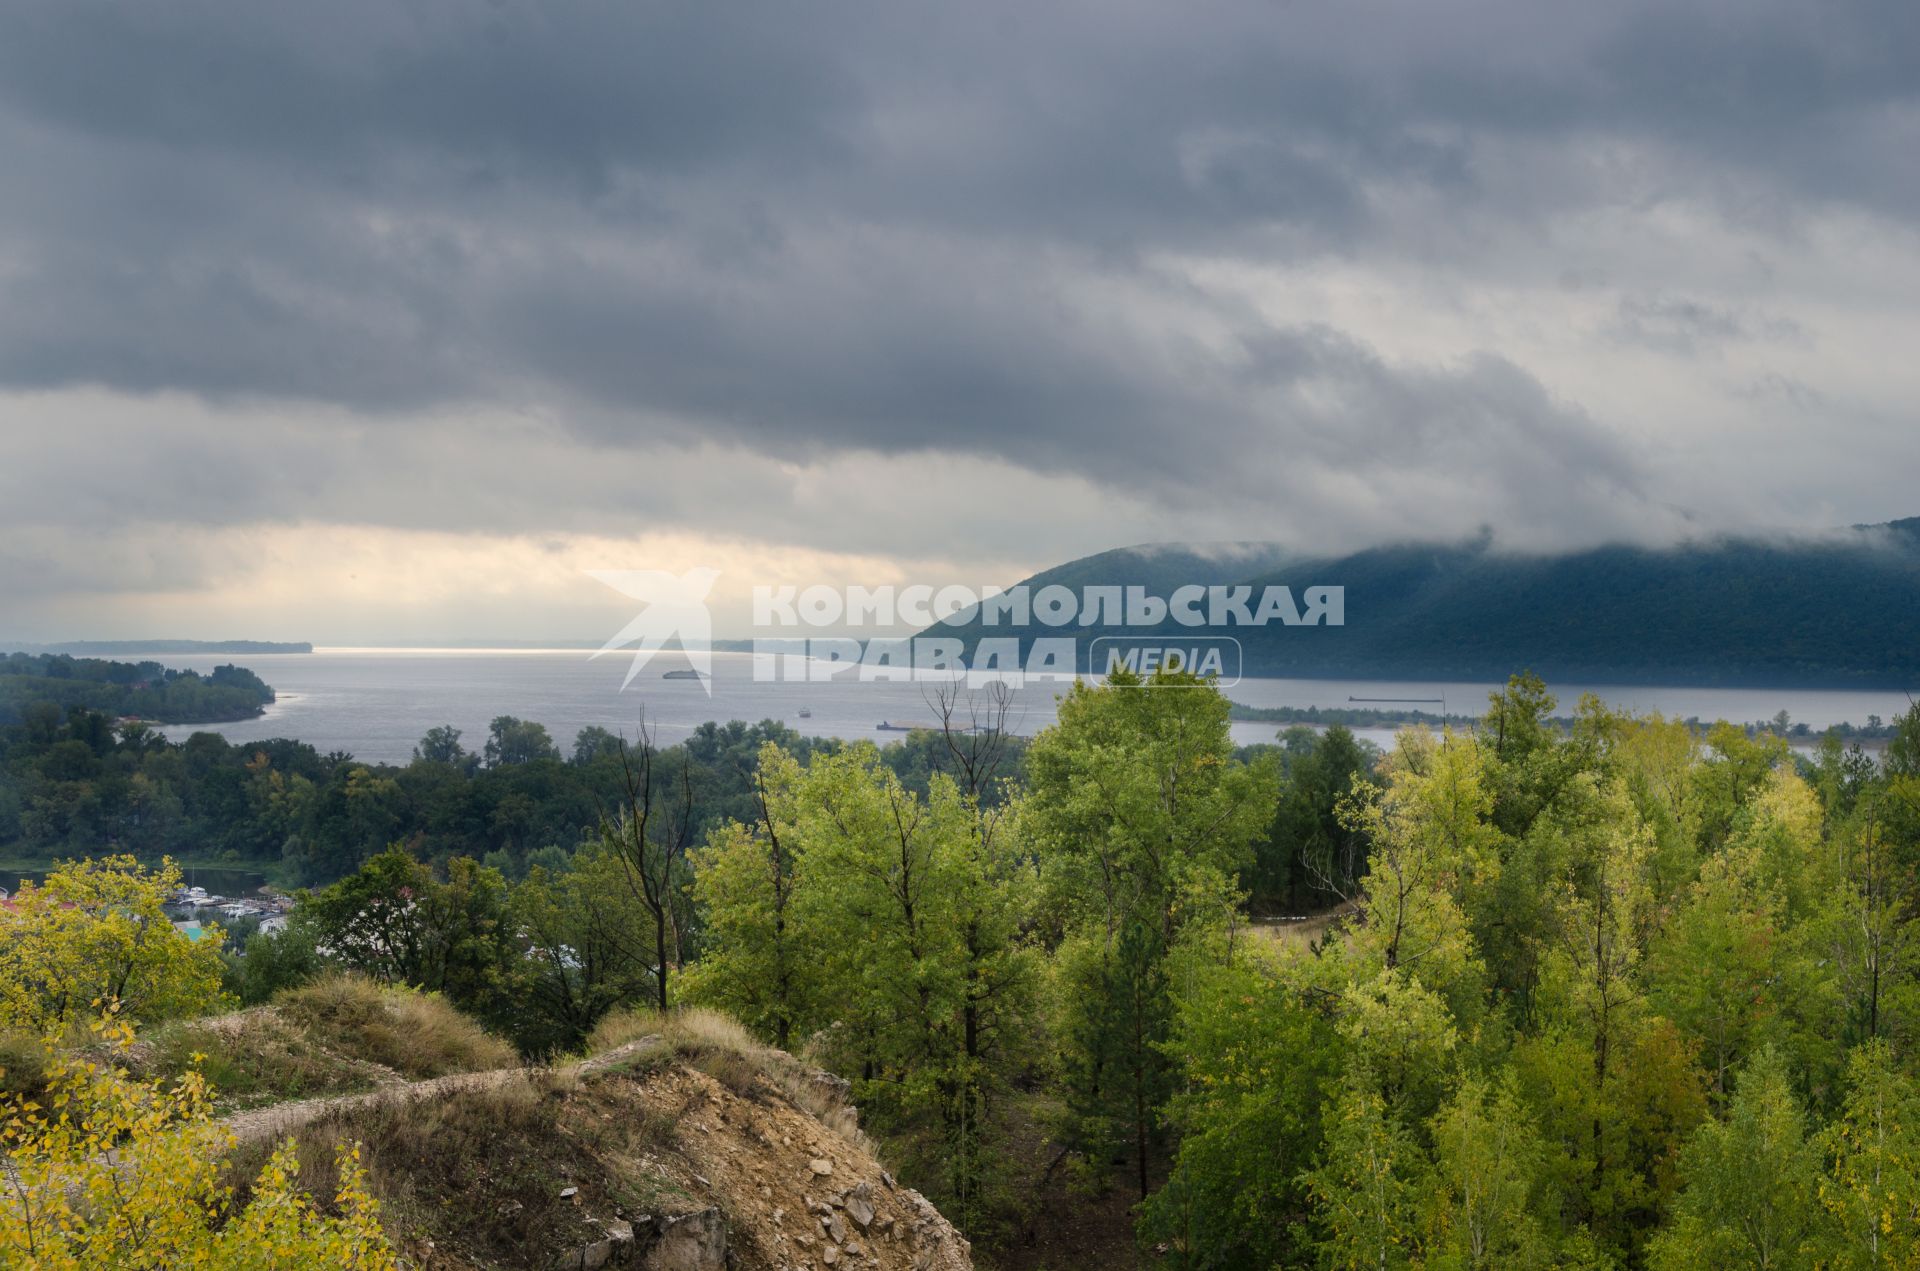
(651, 838)
(978, 746)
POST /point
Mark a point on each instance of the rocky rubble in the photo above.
(769, 1186)
(684, 1242)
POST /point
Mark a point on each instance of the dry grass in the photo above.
(687, 1030)
(720, 1046)
(339, 1035)
(417, 1035)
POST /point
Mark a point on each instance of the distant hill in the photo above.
(1835, 610)
(144, 690)
(120, 648)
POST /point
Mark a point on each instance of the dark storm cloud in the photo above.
(807, 227)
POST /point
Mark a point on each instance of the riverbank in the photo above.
(233, 878)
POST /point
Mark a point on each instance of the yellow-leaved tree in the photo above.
(111, 1173)
(96, 931)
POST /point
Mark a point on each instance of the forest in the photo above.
(36, 690)
(1602, 994)
(75, 783)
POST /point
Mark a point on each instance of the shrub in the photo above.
(23, 1066)
(156, 1200)
(94, 932)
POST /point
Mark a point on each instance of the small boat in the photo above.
(885, 727)
(682, 675)
(806, 712)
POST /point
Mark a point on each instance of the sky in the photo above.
(383, 321)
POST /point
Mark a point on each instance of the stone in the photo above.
(615, 1250)
(690, 1242)
(859, 1206)
(821, 1167)
(837, 1228)
(830, 1254)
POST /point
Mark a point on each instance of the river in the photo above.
(376, 703)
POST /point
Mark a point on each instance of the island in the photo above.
(146, 691)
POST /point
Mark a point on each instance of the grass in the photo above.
(254, 1057)
(417, 1035)
(687, 1030)
(337, 1035)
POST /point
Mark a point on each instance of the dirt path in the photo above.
(280, 1119)
(1304, 930)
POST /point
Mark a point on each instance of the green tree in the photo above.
(1134, 794)
(441, 745)
(1366, 1187)
(758, 966)
(1309, 857)
(517, 741)
(1750, 1194)
(649, 842)
(589, 950)
(1873, 1153)
(1254, 1063)
(1714, 970)
(931, 1008)
(275, 960)
(1483, 1192)
(395, 922)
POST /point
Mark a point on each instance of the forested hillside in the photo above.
(1834, 610)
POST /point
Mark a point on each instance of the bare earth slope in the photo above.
(646, 1156)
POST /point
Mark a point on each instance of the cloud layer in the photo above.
(988, 285)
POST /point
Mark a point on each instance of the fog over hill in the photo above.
(1841, 608)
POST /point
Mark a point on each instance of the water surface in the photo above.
(376, 703)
